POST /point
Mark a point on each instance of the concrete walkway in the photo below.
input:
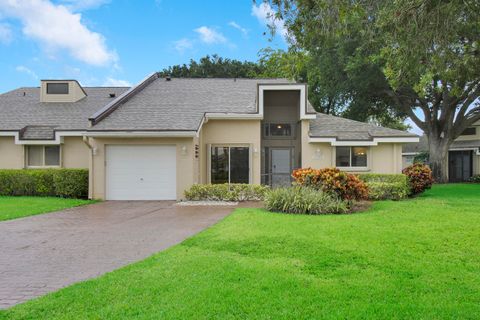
(47, 252)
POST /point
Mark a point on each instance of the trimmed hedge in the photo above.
(66, 183)
(303, 200)
(226, 192)
(386, 186)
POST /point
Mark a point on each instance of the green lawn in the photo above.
(415, 259)
(18, 207)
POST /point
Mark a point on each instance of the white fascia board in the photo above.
(234, 116)
(476, 150)
(58, 137)
(410, 153)
(374, 142)
(142, 134)
(285, 86)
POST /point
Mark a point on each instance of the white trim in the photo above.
(142, 134)
(236, 116)
(303, 97)
(374, 142)
(410, 153)
(475, 150)
(58, 137)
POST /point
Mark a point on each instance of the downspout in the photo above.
(90, 170)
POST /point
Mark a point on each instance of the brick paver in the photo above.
(47, 252)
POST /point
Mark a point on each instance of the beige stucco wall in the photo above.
(75, 153)
(476, 164)
(185, 162)
(75, 92)
(231, 132)
(383, 158)
(11, 154)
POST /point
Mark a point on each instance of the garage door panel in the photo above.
(141, 172)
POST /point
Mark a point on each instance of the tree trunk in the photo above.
(438, 158)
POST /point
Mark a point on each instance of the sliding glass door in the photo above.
(230, 164)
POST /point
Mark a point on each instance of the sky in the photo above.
(120, 42)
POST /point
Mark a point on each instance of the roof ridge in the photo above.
(124, 97)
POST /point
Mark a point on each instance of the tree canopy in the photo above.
(409, 57)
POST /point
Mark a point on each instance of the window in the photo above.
(278, 130)
(469, 131)
(43, 156)
(57, 88)
(351, 157)
(230, 165)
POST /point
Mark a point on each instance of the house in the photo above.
(154, 140)
(463, 155)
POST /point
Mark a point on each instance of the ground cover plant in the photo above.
(226, 192)
(412, 259)
(18, 207)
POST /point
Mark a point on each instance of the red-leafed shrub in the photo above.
(333, 181)
(419, 177)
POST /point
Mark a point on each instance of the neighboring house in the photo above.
(158, 138)
(463, 155)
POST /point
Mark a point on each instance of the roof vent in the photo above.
(112, 95)
(168, 78)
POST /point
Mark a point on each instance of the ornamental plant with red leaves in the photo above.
(420, 177)
(333, 181)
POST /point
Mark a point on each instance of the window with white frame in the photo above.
(351, 157)
(43, 156)
(230, 164)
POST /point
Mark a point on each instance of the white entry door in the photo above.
(136, 172)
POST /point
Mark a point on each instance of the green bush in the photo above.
(67, 183)
(420, 178)
(386, 186)
(226, 192)
(475, 178)
(303, 200)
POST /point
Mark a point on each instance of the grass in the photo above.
(415, 259)
(18, 207)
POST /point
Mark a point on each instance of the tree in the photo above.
(214, 67)
(419, 56)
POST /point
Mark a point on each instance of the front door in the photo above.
(459, 165)
(281, 166)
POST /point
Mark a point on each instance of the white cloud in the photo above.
(5, 33)
(56, 27)
(182, 45)
(81, 5)
(210, 36)
(266, 15)
(111, 82)
(26, 70)
(235, 25)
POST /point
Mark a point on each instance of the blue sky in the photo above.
(119, 42)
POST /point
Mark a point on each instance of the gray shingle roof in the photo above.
(18, 110)
(327, 126)
(181, 103)
(37, 133)
(422, 146)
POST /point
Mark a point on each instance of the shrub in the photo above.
(386, 186)
(332, 181)
(475, 178)
(71, 183)
(419, 177)
(68, 183)
(226, 192)
(301, 200)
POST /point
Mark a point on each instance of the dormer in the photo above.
(61, 91)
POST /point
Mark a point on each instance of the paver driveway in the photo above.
(43, 253)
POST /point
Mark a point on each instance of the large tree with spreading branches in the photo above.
(420, 56)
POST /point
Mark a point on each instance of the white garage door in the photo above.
(141, 172)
